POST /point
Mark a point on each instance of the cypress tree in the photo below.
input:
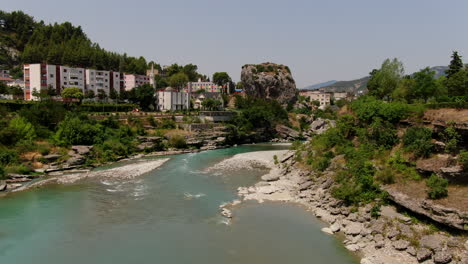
(455, 66)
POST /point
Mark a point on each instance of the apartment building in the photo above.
(103, 80)
(134, 80)
(323, 97)
(171, 100)
(38, 77)
(209, 87)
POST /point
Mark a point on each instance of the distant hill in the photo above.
(354, 86)
(439, 70)
(348, 86)
(319, 85)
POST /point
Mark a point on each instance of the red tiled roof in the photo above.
(6, 79)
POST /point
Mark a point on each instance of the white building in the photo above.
(102, 80)
(340, 96)
(171, 100)
(209, 87)
(38, 77)
(323, 98)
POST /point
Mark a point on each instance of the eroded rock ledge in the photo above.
(447, 216)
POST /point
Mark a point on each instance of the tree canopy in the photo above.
(221, 78)
(178, 80)
(385, 80)
(72, 92)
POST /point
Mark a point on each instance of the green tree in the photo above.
(89, 94)
(113, 94)
(101, 94)
(457, 84)
(385, 80)
(403, 91)
(23, 129)
(178, 80)
(221, 78)
(143, 95)
(456, 65)
(72, 92)
(425, 85)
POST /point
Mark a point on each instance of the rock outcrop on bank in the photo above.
(269, 80)
(390, 238)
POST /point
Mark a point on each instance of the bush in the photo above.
(18, 169)
(382, 134)
(437, 187)
(464, 159)
(76, 130)
(321, 162)
(177, 141)
(23, 129)
(8, 156)
(375, 211)
(385, 176)
(368, 108)
(418, 140)
(168, 123)
(451, 139)
(111, 150)
(152, 121)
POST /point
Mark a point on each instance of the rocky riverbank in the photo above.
(129, 171)
(390, 238)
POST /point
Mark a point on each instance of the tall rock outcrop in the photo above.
(269, 80)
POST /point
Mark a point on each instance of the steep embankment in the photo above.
(392, 238)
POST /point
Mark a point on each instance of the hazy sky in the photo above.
(319, 40)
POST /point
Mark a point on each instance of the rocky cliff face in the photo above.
(269, 80)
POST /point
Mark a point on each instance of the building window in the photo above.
(51, 76)
(64, 70)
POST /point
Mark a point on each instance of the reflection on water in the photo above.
(170, 215)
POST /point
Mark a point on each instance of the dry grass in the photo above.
(457, 194)
(445, 115)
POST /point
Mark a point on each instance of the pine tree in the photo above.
(455, 65)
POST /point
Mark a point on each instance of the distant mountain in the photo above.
(319, 85)
(354, 86)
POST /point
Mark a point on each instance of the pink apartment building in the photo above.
(134, 80)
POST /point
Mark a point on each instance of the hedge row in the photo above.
(16, 105)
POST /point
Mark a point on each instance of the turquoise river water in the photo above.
(170, 215)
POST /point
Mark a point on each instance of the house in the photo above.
(324, 98)
(198, 99)
(171, 100)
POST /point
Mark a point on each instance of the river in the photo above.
(170, 215)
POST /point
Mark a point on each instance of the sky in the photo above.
(320, 40)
